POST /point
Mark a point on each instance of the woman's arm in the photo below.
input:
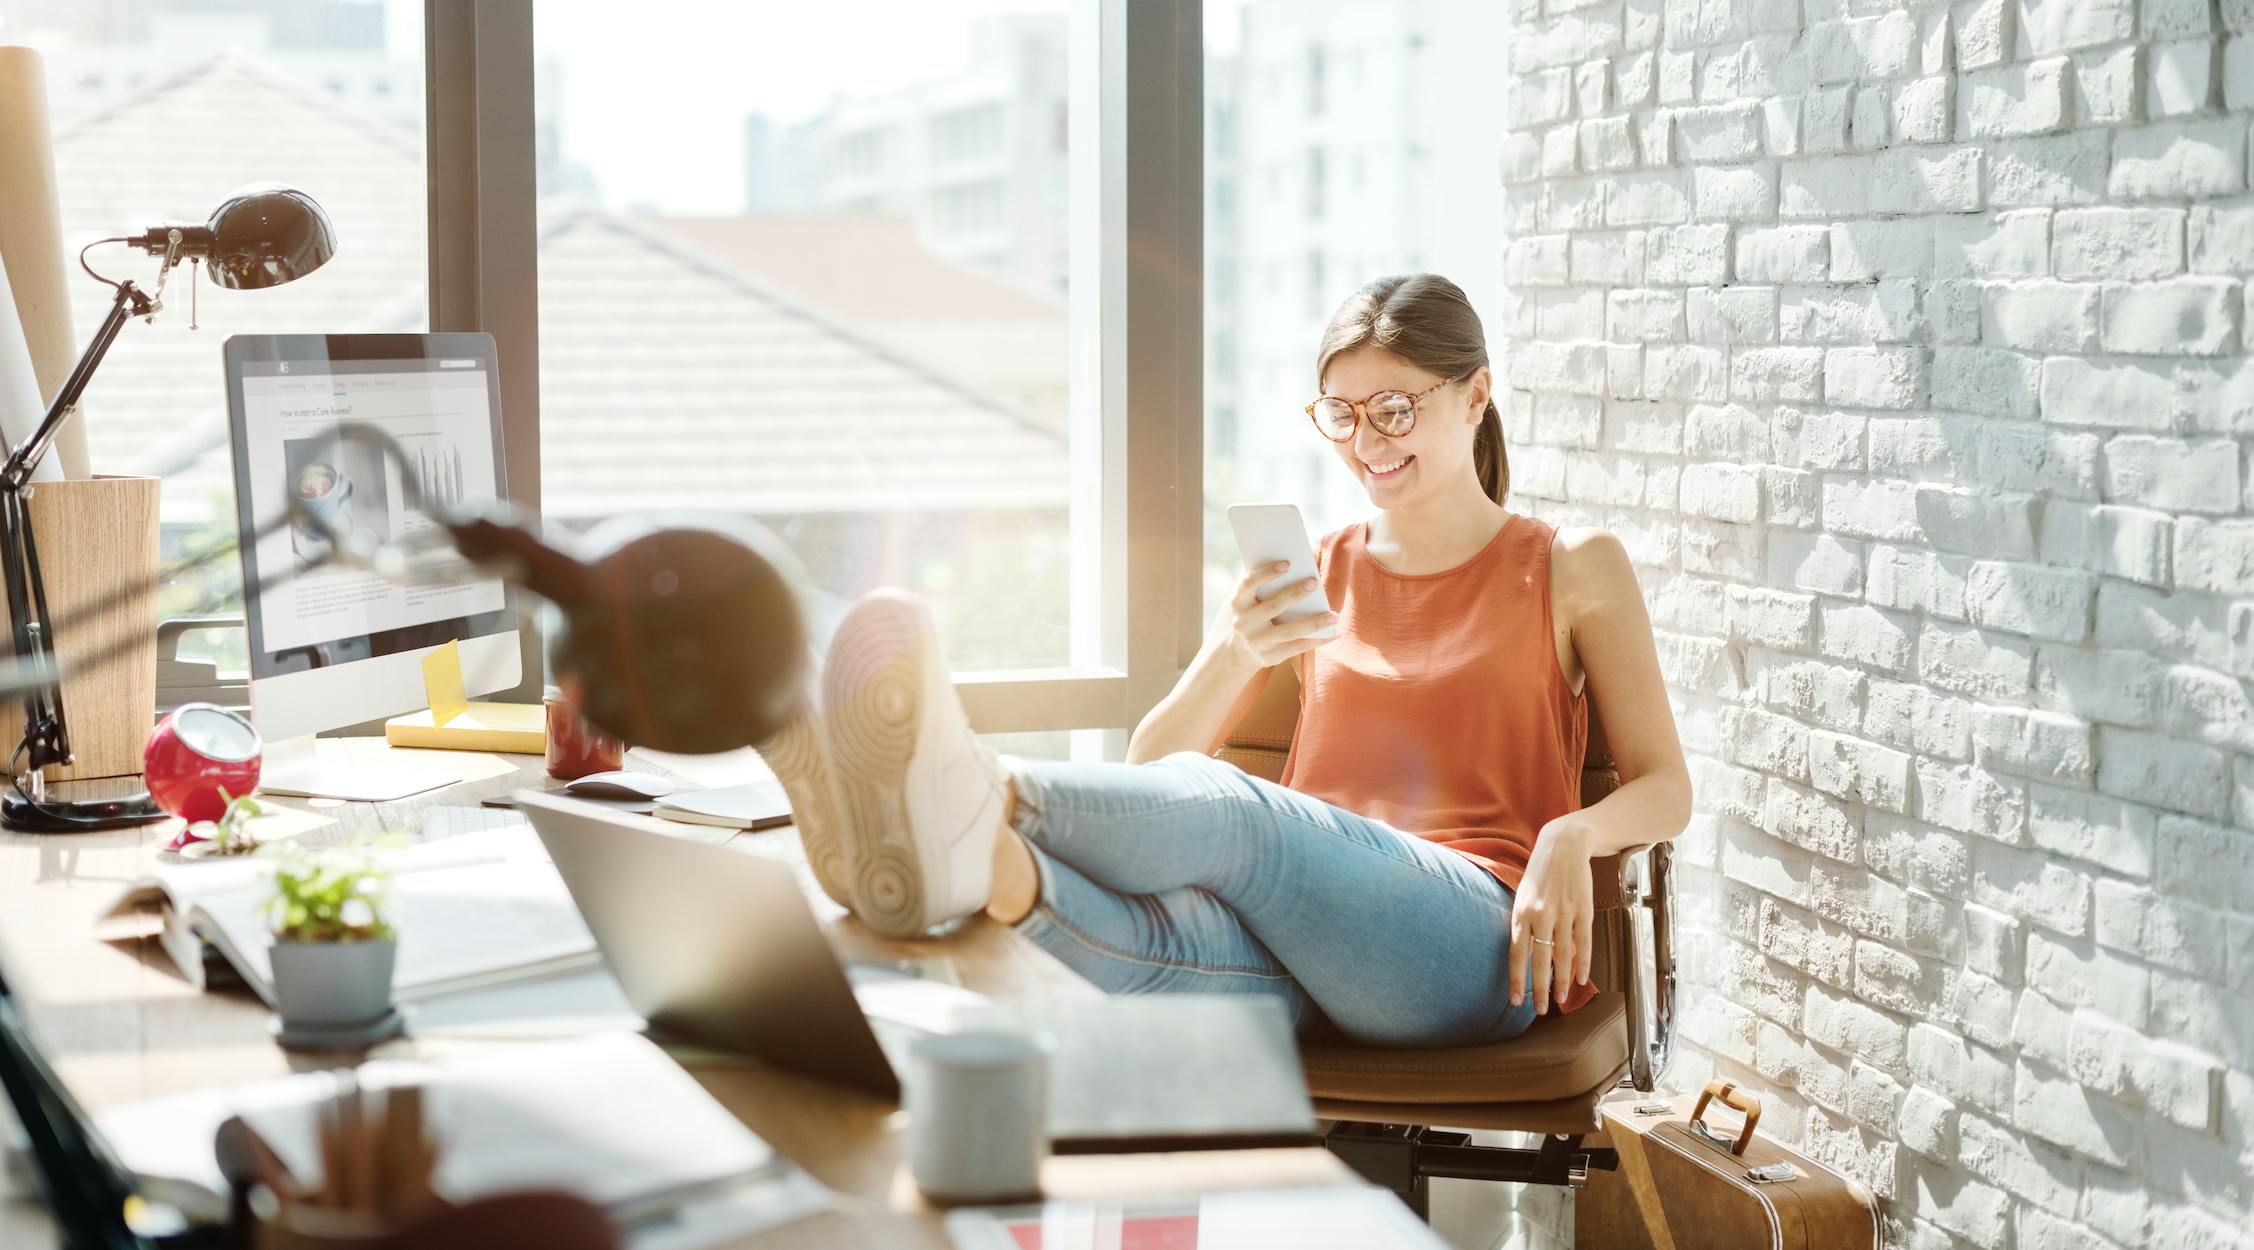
(1243, 644)
(1595, 598)
(1214, 694)
(1620, 662)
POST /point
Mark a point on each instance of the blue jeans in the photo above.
(1187, 875)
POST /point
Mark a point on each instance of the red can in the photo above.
(576, 748)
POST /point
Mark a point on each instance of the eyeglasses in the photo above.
(1391, 413)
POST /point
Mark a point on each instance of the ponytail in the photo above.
(1488, 459)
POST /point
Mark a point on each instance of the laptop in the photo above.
(712, 945)
(720, 947)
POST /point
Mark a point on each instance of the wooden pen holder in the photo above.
(97, 540)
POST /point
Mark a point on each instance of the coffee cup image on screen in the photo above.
(340, 481)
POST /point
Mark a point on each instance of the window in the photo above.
(919, 374)
(154, 406)
(861, 154)
(1315, 81)
(1315, 186)
(967, 134)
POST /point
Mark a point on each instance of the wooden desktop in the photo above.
(120, 1025)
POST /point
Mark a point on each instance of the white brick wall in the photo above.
(1905, 345)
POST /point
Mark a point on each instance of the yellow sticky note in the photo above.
(442, 683)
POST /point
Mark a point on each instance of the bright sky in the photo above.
(655, 105)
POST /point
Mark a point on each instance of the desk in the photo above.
(119, 1025)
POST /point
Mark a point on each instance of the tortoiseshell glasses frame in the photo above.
(1391, 413)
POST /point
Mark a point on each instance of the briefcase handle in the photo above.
(1731, 1096)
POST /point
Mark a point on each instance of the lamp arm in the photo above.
(131, 302)
(31, 633)
(29, 629)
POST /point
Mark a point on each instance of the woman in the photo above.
(1422, 876)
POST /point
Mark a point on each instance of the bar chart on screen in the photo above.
(439, 473)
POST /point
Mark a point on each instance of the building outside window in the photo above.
(1423, 73)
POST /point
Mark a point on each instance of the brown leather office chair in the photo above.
(1380, 1105)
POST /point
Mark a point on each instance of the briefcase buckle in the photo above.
(1653, 1108)
(1770, 1173)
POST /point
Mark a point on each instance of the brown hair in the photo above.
(1426, 320)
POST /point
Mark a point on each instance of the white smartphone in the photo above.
(1268, 532)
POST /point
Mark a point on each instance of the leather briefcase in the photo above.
(1685, 1185)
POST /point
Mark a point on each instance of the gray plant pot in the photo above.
(331, 985)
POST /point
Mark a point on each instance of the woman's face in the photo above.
(1421, 463)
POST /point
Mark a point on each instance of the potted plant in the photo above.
(333, 943)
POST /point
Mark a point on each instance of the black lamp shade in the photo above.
(264, 234)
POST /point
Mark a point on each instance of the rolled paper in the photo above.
(31, 241)
(20, 406)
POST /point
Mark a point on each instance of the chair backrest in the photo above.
(1261, 742)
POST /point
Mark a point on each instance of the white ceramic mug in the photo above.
(978, 1107)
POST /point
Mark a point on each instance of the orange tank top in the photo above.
(1439, 708)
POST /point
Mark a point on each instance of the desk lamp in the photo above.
(261, 235)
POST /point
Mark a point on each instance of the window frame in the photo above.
(480, 162)
(1138, 554)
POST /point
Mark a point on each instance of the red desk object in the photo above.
(195, 752)
(576, 748)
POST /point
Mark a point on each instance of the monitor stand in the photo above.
(296, 767)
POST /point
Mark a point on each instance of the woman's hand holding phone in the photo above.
(1258, 635)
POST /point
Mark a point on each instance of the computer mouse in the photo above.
(620, 785)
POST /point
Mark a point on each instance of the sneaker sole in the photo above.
(801, 762)
(874, 702)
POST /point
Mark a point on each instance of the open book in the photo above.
(471, 910)
(609, 1118)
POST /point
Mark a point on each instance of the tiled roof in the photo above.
(856, 266)
(645, 343)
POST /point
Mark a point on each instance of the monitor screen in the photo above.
(436, 397)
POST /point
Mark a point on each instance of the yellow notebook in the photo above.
(516, 727)
(456, 724)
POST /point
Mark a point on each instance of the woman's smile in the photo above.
(1386, 470)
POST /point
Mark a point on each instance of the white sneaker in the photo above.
(924, 798)
(800, 758)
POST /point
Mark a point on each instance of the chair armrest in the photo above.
(1646, 879)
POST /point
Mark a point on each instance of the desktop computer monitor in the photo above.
(333, 646)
